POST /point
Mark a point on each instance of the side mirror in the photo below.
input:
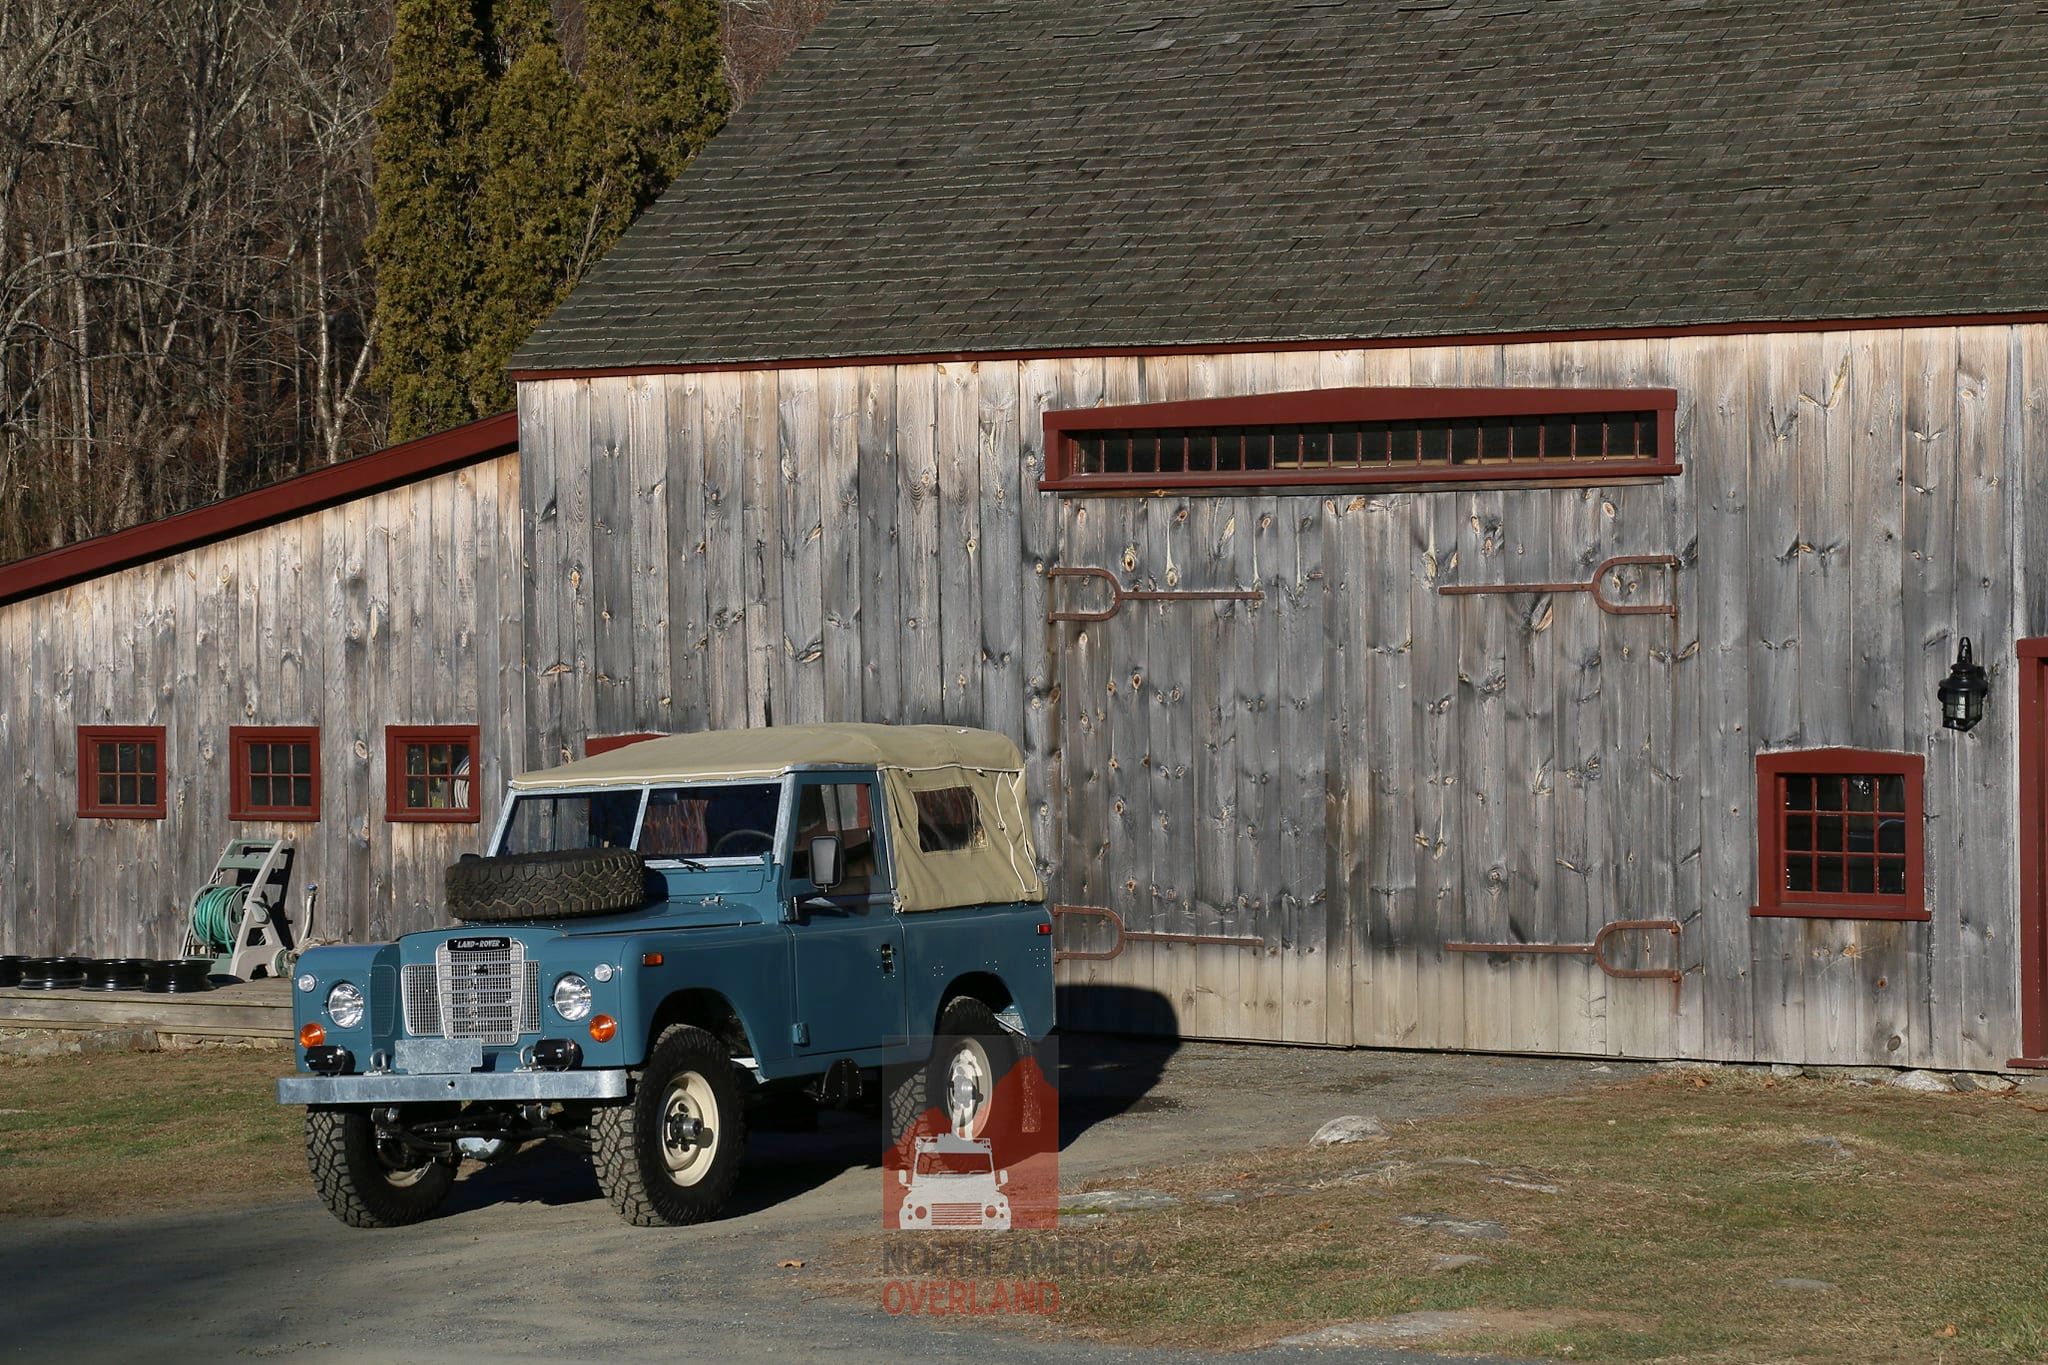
(825, 869)
(903, 1178)
(1002, 1177)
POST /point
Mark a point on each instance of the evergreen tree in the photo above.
(501, 178)
(655, 92)
(537, 200)
(425, 249)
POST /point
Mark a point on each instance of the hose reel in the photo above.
(241, 918)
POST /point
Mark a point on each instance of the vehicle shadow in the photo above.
(782, 1162)
(1114, 1071)
(1098, 1076)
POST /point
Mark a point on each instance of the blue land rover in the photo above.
(670, 931)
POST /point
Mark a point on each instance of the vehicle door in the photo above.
(846, 942)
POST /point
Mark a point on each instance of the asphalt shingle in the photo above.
(925, 178)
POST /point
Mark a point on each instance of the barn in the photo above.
(1467, 508)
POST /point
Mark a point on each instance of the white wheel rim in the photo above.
(689, 1132)
(970, 1083)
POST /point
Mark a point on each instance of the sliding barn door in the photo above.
(1190, 781)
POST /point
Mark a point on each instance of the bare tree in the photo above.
(186, 309)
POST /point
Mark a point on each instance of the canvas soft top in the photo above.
(997, 868)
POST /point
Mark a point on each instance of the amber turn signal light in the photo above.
(650, 959)
(312, 1035)
(602, 1027)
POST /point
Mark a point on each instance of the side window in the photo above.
(948, 820)
(847, 810)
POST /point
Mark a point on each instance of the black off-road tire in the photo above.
(924, 1087)
(627, 1149)
(531, 886)
(358, 1185)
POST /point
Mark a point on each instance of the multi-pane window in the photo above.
(1368, 436)
(1841, 835)
(121, 772)
(429, 774)
(948, 820)
(274, 772)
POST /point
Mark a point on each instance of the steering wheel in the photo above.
(767, 841)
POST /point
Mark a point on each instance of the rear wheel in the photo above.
(971, 1053)
(368, 1181)
(671, 1154)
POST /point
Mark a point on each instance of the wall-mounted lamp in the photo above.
(1963, 691)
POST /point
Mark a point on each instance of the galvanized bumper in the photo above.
(476, 1085)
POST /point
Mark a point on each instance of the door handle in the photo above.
(888, 959)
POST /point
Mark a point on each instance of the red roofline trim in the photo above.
(327, 486)
(1386, 343)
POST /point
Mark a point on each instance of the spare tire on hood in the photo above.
(524, 886)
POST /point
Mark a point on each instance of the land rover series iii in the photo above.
(667, 932)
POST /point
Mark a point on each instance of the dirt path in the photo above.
(528, 1263)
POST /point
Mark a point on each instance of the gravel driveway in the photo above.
(528, 1263)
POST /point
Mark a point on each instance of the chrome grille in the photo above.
(482, 989)
(956, 1215)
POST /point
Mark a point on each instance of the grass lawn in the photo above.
(1677, 1202)
(118, 1133)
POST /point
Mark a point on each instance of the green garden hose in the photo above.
(216, 914)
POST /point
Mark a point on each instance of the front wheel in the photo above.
(369, 1181)
(671, 1154)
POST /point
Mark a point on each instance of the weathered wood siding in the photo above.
(402, 608)
(1356, 770)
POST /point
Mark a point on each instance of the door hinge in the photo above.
(888, 959)
(800, 1034)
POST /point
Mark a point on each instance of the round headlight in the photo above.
(345, 1005)
(572, 997)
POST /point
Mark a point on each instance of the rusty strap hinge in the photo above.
(1119, 594)
(1594, 950)
(1124, 936)
(1592, 586)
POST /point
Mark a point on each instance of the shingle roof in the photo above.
(926, 178)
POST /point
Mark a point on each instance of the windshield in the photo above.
(723, 820)
(730, 820)
(955, 1163)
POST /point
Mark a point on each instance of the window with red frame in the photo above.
(275, 772)
(121, 772)
(1841, 835)
(1325, 437)
(604, 744)
(429, 774)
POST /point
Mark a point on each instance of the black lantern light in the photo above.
(1963, 691)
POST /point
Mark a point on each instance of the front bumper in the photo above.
(476, 1085)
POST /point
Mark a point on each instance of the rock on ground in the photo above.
(1457, 1260)
(1116, 1201)
(1800, 1285)
(1403, 1327)
(1456, 1227)
(1926, 1082)
(1349, 1128)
